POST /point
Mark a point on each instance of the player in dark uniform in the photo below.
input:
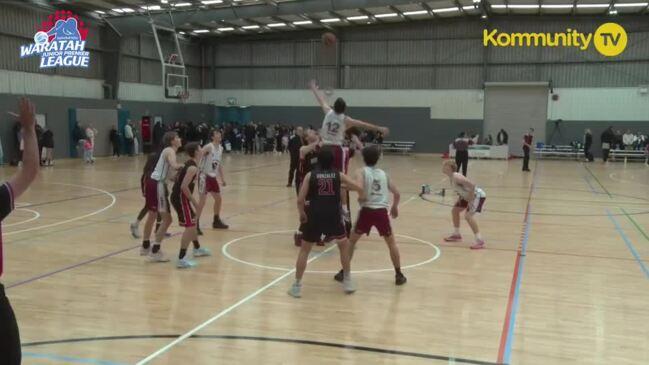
(184, 203)
(322, 187)
(10, 352)
(308, 162)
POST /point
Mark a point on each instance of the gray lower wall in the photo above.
(411, 124)
(56, 111)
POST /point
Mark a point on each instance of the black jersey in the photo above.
(176, 191)
(324, 194)
(308, 164)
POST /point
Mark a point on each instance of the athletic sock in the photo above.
(196, 244)
(397, 270)
(478, 236)
(146, 244)
(156, 247)
(182, 253)
(456, 230)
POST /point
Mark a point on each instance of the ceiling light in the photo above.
(251, 27)
(99, 12)
(469, 7)
(302, 22)
(275, 25)
(523, 6)
(164, 1)
(585, 6)
(151, 7)
(226, 29)
(499, 6)
(181, 32)
(418, 12)
(118, 10)
(483, 16)
(128, 10)
(445, 10)
(330, 20)
(612, 12)
(180, 5)
(201, 31)
(386, 15)
(630, 5)
(210, 2)
(359, 17)
(556, 6)
(476, 1)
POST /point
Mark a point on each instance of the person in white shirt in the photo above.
(628, 139)
(128, 135)
(211, 168)
(471, 198)
(375, 203)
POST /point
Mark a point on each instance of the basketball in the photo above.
(328, 39)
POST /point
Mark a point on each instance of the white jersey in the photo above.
(376, 188)
(162, 169)
(211, 162)
(333, 128)
(464, 193)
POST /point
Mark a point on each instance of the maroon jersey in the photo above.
(307, 164)
(528, 139)
(6, 206)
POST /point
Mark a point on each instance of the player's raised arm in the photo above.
(351, 122)
(21, 180)
(319, 97)
(171, 158)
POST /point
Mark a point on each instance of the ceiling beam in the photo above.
(429, 9)
(371, 16)
(133, 23)
(395, 10)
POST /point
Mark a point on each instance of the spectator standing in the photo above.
(628, 139)
(527, 147)
(158, 132)
(607, 138)
(588, 142)
(79, 137)
(502, 137)
(114, 141)
(294, 144)
(48, 146)
(128, 136)
(461, 145)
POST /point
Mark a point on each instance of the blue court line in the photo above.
(69, 359)
(521, 267)
(628, 243)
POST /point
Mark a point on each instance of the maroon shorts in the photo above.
(186, 215)
(341, 158)
(476, 207)
(208, 184)
(368, 218)
(156, 195)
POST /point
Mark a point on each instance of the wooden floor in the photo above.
(564, 280)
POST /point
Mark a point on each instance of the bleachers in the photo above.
(628, 155)
(404, 147)
(565, 151)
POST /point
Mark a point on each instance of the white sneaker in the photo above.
(185, 264)
(200, 252)
(348, 286)
(295, 291)
(145, 251)
(135, 230)
(158, 257)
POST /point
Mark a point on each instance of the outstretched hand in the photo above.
(385, 131)
(27, 114)
(313, 85)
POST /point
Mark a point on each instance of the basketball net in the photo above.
(172, 58)
(183, 97)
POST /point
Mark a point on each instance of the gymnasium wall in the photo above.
(56, 112)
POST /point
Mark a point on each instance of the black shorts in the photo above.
(186, 214)
(317, 226)
(9, 336)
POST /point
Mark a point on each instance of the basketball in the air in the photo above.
(328, 39)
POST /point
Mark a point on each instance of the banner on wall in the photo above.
(60, 42)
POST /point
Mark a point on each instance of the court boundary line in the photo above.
(507, 335)
(227, 310)
(273, 339)
(70, 359)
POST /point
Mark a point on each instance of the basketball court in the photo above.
(564, 275)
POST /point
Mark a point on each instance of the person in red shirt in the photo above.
(527, 147)
(10, 353)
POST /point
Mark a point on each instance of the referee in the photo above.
(9, 337)
(461, 145)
